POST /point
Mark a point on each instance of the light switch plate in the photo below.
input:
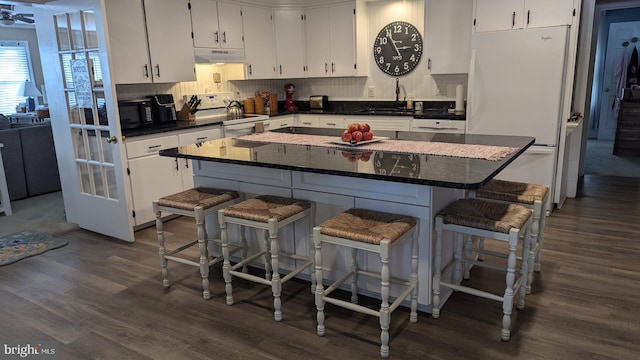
(371, 91)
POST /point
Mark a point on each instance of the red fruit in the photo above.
(366, 136)
(366, 156)
(353, 127)
(347, 137)
(365, 127)
(357, 135)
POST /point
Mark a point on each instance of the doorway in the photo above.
(617, 37)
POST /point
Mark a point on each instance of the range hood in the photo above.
(210, 55)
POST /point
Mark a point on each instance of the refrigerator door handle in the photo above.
(471, 91)
(539, 150)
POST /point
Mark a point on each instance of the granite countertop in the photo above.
(443, 171)
(431, 110)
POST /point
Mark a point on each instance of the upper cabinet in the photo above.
(448, 36)
(331, 41)
(145, 47)
(260, 53)
(289, 39)
(216, 24)
(493, 15)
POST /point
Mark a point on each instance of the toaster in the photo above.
(318, 103)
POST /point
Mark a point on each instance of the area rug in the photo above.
(23, 244)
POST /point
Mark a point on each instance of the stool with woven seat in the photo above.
(486, 219)
(197, 203)
(373, 231)
(269, 214)
(532, 196)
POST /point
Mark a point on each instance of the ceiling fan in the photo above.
(8, 18)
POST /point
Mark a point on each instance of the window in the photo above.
(15, 67)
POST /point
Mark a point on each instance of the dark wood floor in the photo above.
(99, 298)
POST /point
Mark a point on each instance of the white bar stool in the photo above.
(197, 203)
(532, 196)
(269, 214)
(474, 217)
(373, 231)
(5, 203)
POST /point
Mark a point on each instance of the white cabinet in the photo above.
(308, 120)
(289, 39)
(331, 40)
(161, 51)
(448, 36)
(493, 15)
(152, 176)
(216, 24)
(260, 52)
(282, 122)
(390, 123)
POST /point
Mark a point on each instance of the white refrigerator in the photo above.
(516, 83)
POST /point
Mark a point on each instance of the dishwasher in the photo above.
(443, 126)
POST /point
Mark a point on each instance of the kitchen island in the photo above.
(339, 177)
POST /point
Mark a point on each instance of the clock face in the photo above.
(394, 164)
(397, 48)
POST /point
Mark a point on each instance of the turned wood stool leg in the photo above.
(226, 264)
(162, 250)
(202, 247)
(437, 263)
(354, 276)
(319, 287)
(276, 282)
(507, 303)
(385, 315)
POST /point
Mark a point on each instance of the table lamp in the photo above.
(29, 89)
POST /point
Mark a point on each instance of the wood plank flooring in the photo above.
(99, 298)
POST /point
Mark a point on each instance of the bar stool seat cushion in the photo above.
(511, 191)
(265, 207)
(486, 215)
(205, 197)
(367, 226)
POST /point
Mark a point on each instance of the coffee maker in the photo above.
(163, 109)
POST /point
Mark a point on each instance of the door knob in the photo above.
(606, 89)
(112, 139)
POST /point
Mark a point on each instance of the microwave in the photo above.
(135, 113)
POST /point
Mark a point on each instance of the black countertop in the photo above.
(172, 126)
(443, 171)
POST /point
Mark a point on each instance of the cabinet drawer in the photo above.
(331, 122)
(200, 136)
(150, 146)
(308, 121)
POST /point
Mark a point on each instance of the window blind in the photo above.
(14, 69)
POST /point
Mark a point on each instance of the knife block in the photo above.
(185, 113)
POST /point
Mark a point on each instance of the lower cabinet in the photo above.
(152, 176)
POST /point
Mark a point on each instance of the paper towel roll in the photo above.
(459, 97)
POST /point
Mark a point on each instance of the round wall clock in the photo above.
(397, 48)
(394, 164)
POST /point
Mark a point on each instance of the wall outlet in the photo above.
(216, 78)
(371, 91)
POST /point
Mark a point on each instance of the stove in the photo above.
(213, 106)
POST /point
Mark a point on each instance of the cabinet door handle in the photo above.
(429, 64)
(146, 71)
(326, 68)
(513, 19)
(528, 16)
(250, 70)
(177, 167)
(202, 138)
(158, 70)
(215, 37)
(331, 124)
(154, 147)
(186, 163)
(333, 68)
(224, 37)
(280, 69)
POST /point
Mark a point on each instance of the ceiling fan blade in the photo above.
(23, 19)
(25, 15)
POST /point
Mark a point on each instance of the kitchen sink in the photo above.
(386, 111)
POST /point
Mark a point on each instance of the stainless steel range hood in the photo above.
(209, 55)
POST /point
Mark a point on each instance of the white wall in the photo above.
(417, 83)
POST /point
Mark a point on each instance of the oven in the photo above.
(210, 107)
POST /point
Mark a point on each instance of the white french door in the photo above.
(87, 136)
